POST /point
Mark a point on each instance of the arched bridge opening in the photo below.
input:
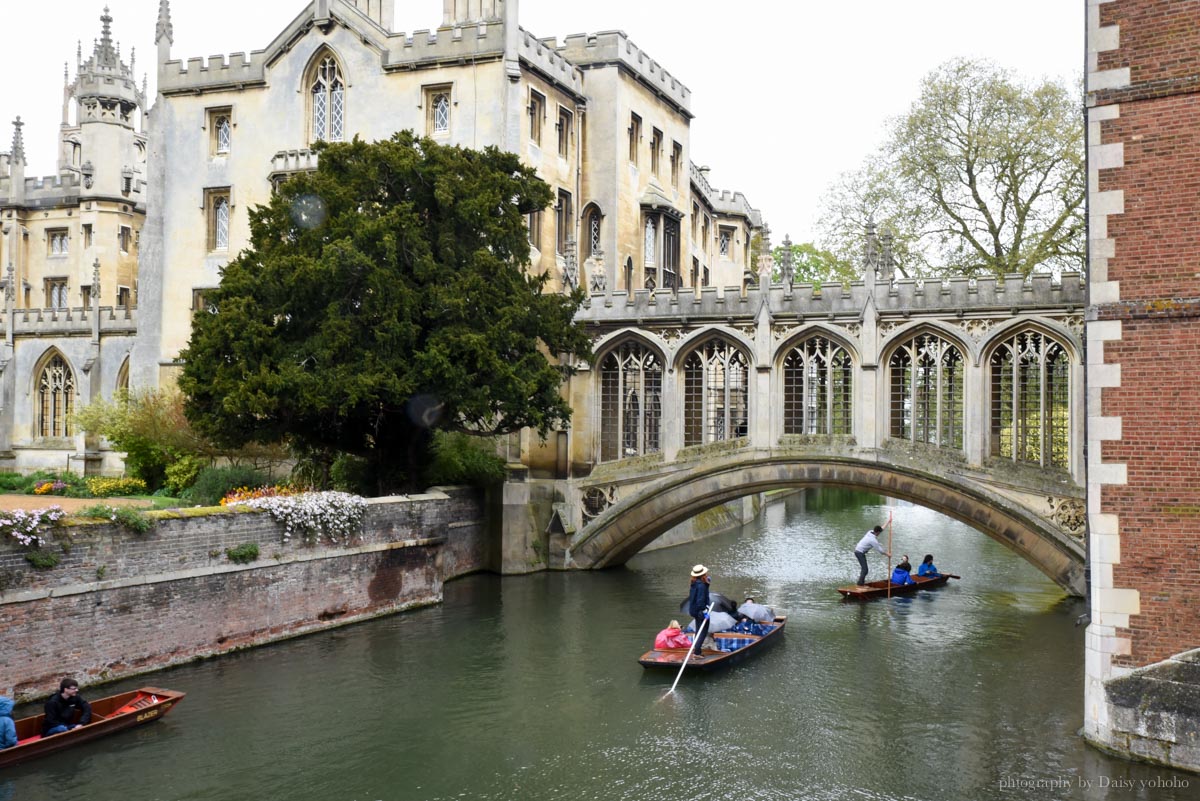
(632, 523)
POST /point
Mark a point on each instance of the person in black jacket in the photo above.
(698, 604)
(60, 709)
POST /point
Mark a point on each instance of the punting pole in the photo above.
(889, 567)
(697, 639)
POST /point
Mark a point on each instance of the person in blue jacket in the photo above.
(903, 573)
(8, 729)
(698, 604)
(928, 568)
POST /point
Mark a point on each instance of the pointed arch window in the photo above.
(224, 132)
(715, 397)
(817, 389)
(327, 91)
(56, 398)
(591, 232)
(630, 402)
(1030, 409)
(926, 381)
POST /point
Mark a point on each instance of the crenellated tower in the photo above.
(468, 12)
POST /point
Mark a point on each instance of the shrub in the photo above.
(182, 473)
(214, 483)
(15, 482)
(337, 516)
(42, 560)
(131, 519)
(68, 484)
(101, 487)
(464, 459)
(243, 554)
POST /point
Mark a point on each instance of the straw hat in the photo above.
(698, 571)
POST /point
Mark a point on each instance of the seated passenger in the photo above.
(717, 622)
(903, 573)
(672, 637)
(928, 568)
(8, 729)
(756, 612)
(61, 709)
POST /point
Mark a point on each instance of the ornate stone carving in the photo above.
(596, 500)
(1069, 514)
(670, 335)
(1074, 324)
(886, 329)
(782, 332)
(853, 329)
(749, 330)
(977, 329)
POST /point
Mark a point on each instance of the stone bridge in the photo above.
(962, 395)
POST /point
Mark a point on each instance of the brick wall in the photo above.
(1143, 339)
(172, 595)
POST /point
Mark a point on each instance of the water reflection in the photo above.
(528, 688)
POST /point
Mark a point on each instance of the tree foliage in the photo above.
(983, 175)
(812, 265)
(382, 297)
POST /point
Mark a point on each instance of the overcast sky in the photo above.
(787, 94)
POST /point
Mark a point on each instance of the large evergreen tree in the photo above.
(384, 296)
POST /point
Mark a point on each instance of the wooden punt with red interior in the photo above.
(109, 715)
(879, 589)
(741, 646)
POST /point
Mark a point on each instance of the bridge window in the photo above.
(817, 389)
(715, 400)
(926, 375)
(1030, 390)
(630, 402)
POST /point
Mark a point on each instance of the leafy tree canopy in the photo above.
(382, 297)
(983, 176)
(812, 265)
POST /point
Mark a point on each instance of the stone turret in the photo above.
(164, 34)
(381, 12)
(467, 12)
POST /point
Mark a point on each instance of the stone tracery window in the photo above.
(327, 90)
(630, 402)
(224, 134)
(56, 398)
(715, 396)
(926, 379)
(817, 389)
(1030, 411)
(591, 228)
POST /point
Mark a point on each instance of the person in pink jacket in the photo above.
(672, 637)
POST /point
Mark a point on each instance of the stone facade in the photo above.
(69, 254)
(1143, 332)
(172, 595)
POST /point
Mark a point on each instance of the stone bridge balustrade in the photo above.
(963, 395)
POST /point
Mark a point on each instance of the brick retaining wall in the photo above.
(120, 603)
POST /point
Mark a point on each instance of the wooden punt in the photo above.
(732, 647)
(109, 715)
(879, 589)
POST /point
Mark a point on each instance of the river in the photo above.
(528, 688)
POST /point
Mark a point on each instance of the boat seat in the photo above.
(141, 702)
(32, 739)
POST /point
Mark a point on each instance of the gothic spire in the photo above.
(18, 145)
(104, 51)
(163, 28)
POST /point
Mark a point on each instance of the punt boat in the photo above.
(879, 589)
(732, 647)
(109, 715)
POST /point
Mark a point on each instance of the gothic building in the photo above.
(69, 250)
(95, 300)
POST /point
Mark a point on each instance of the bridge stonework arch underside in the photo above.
(646, 511)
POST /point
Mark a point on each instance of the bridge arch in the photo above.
(811, 330)
(1059, 332)
(700, 336)
(904, 333)
(631, 523)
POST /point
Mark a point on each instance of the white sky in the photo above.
(787, 94)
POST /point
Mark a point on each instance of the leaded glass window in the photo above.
(441, 112)
(724, 242)
(630, 402)
(224, 134)
(56, 397)
(1030, 377)
(593, 233)
(926, 375)
(328, 102)
(817, 389)
(651, 241)
(715, 396)
(220, 223)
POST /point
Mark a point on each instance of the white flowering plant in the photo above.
(30, 528)
(336, 516)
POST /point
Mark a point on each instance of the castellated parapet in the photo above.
(51, 190)
(951, 298)
(424, 48)
(614, 48)
(544, 56)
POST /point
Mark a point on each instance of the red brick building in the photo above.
(1143, 340)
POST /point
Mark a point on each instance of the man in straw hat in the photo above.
(698, 604)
